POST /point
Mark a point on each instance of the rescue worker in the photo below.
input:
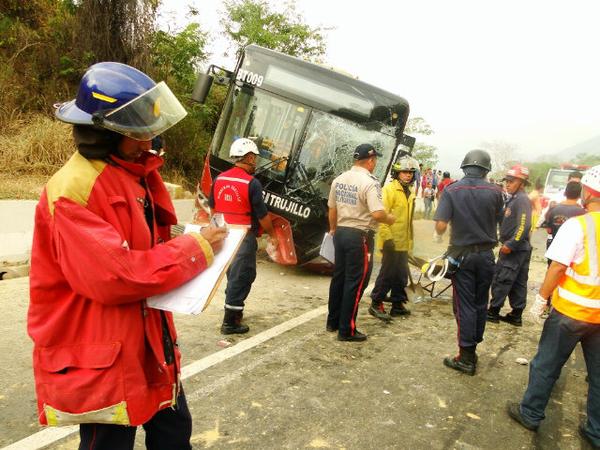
(573, 284)
(559, 214)
(355, 207)
(238, 196)
(395, 241)
(102, 358)
(473, 207)
(512, 267)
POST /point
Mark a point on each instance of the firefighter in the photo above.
(573, 284)
(395, 241)
(473, 207)
(355, 207)
(102, 358)
(512, 266)
(238, 196)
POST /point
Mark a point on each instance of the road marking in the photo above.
(49, 436)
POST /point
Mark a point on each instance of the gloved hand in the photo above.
(388, 246)
(539, 307)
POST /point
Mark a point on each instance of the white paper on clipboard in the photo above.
(195, 295)
(327, 251)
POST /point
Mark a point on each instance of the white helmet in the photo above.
(591, 178)
(241, 147)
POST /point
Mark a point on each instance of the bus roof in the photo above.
(318, 86)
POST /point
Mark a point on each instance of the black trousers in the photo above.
(470, 294)
(169, 429)
(392, 278)
(353, 266)
(241, 273)
(510, 280)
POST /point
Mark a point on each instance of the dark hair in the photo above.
(575, 174)
(538, 184)
(573, 190)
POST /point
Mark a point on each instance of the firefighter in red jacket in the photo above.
(102, 358)
(239, 197)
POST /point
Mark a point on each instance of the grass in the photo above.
(34, 148)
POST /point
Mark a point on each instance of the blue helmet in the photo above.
(121, 98)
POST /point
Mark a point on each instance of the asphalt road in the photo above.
(301, 388)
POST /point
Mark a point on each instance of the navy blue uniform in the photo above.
(512, 269)
(473, 207)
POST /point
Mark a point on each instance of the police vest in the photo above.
(578, 292)
(231, 196)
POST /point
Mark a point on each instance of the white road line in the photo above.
(49, 436)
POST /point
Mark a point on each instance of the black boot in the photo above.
(513, 317)
(398, 309)
(493, 315)
(465, 361)
(232, 322)
(378, 310)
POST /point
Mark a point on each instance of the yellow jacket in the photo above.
(396, 203)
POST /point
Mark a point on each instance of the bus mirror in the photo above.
(202, 87)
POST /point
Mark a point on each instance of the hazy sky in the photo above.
(525, 72)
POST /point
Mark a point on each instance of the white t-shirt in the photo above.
(567, 246)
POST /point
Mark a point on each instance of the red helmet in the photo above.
(519, 172)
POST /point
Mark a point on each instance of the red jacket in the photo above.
(232, 197)
(98, 349)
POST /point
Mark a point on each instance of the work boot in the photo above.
(398, 309)
(514, 411)
(493, 315)
(377, 310)
(513, 317)
(465, 361)
(356, 337)
(232, 322)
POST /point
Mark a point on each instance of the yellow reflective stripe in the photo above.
(521, 227)
(104, 98)
(115, 414)
(578, 299)
(590, 280)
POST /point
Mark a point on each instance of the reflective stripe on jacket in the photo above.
(231, 196)
(396, 203)
(578, 292)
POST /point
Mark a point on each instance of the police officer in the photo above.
(573, 282)
(238, 195)
(395, 241)
(473, 207)
(355, 207)
(512, 267)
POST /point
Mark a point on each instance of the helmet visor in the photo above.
(146, 116)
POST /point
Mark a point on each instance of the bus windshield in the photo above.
(271, 122)
(329, 145)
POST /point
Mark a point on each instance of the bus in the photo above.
(306, 121)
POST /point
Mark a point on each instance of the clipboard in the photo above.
(194, 296)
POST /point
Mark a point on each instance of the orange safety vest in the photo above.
(578, 292)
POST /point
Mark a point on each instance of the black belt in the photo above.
(368, 233)
(474, 248)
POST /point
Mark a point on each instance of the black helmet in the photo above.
(477, 158)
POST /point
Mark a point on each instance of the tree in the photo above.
(425, 154)
(116, 30)
(503, 156)
(254, 22)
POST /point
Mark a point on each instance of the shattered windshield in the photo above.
(328, 147)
